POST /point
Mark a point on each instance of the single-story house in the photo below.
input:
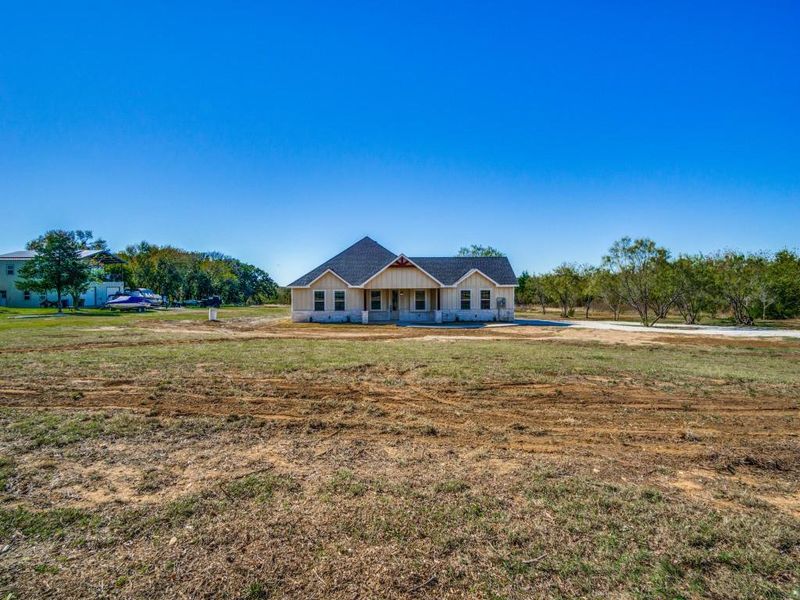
(98, 293)
(368, 283)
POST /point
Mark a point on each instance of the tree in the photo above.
(645, 276)
(530, 290)
(784, 277)
(765, 289)
(695, 287)
(87, 271)
(564, 285)
(57, 265)
(179, 274)
(609, 289)
(588, 287)
(476, 250)
(78, 281)
(539, 292)
(524, 294)
(737, 277)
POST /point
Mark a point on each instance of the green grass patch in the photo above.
(45, 524)
(260, 487)
(7, 467)
(55, 429)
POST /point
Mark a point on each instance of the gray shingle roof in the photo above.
(366, 257)
(450, 269)
(355, 265)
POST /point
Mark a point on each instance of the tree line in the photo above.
(179, 275)
(174, 273)
(641, 276)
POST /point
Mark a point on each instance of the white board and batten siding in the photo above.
(303, 298)
(401, 278)
(451, 297)
(405, 280)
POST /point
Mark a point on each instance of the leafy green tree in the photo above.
(283, 296)
(79, 282)
(645, 276)
(609, 289)
(532, 291)
(179, 274)
(523, 295)
(539, 292)
(476, 250)
(589, 290)
(737, 276)
(695, 287)
(563, 284)
(783, 274)
(57, 265)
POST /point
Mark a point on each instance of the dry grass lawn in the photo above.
(162, 456)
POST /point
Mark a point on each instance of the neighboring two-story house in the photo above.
(97, 294)
(368, 283)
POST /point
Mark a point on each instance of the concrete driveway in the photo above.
(759, 332)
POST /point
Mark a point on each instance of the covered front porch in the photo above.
(405, 305)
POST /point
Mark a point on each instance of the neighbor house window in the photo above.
(26, 295)
(466, 299)
(419, 299)
(375, 300)
(9, 270)
(486, 299)
(338, 300)
(319, 299)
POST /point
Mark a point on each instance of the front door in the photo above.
(394, 307)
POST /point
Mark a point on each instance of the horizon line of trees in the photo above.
(172, 272)
(180, 275)
(641, 276)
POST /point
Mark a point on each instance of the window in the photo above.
(338, 300)
(10, 270)
(2, 295)
(466, 299)
(375, 300)
(486, 299)
(26, 295)
(319, 299)
(419, 299)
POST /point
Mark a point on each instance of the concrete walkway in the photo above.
(757, 332)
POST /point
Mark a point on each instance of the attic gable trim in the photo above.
(320, 276)
(394, 260)
(472, 271)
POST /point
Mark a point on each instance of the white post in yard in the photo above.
(212, 313)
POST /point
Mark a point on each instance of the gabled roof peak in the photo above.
(354, 264)
(365, 258)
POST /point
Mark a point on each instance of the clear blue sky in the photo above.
(280, 134)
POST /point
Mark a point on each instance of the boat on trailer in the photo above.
(130, 300)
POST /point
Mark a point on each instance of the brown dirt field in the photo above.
(344, 439)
